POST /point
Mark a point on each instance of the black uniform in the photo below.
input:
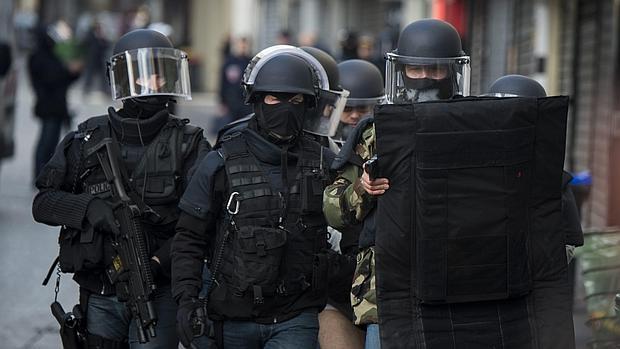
(158, 172)
(57, 203)
(257, 170)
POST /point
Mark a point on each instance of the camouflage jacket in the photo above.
(345, 203)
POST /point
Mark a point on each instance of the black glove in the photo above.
(191, 320)
(155, 269)
(100, 216)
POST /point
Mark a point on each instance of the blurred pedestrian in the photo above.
(366, 50)
(232, 105)
(5, 58)
(96, 48)
(51, 78)
(284, 37)
(348, 45)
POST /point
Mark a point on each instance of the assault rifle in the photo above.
(130, 271)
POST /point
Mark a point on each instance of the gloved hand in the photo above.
(190, 318)
(155, 268)
(100, 216)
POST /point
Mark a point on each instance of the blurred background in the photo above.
(570, 46)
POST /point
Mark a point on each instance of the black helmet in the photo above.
(363, 80)
(330, 101)
(282, 73)
(430, 38)
(328, 63)
(141, 38)
(137, 57)
(428, 64)
(516, 85)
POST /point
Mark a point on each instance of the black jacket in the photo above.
(201, 214)
(56, 205)
(50, 80)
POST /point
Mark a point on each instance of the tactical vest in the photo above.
(161, 165)
(270, 249)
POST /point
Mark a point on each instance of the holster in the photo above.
(70, 326)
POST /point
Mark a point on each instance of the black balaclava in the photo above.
(425, 89)
(281, 122)
(136, 131)
(143, 107)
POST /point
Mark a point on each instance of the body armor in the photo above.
(271, 245)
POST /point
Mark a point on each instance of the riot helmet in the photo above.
(282, 87)
(364, 82)
(331, 101)
(516, 86)
(144, 64)
(428, 64)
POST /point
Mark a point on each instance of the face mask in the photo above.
(282, 121)
(421, 90)
(145, 107)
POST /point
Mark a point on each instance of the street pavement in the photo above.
(27, 248)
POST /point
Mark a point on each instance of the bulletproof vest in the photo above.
(161, 164)
(472, 215)
(270, 244)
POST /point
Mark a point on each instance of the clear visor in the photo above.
(418, 79)
(267, 54)
(328, 112)
(351, 116)
(149, 72)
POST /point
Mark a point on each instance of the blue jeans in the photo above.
(109, 318)
(373, 341)
(300, 332)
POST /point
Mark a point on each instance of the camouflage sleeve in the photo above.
(345, 202)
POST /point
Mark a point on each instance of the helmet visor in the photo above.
(149, 72)
(417, 79)
(328, 111)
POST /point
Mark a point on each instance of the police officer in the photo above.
(158, 150)
(364, 82)
(321, 120)
(253, 209)
(428, 64)
(522, 86)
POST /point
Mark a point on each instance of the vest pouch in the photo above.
(257, 252)
(80, 251)
(311, 193)
(471, 215)
(160, 190)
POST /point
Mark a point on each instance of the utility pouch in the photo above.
(257, 252)
(311, 193)
(80, 250)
